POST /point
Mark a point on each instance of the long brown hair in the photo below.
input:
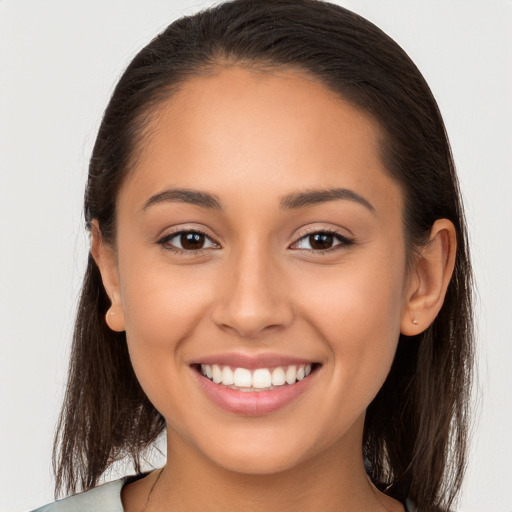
(416, 428)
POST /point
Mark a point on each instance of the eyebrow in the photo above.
(202, 199)
(289, 202)
(314, 197)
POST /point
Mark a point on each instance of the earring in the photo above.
(415, 321)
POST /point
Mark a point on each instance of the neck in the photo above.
(333, 480)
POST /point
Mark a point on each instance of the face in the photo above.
(260, 241)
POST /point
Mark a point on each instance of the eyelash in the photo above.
(343, 241)
(165, 242)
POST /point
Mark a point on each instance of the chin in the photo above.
(259, 453)
(261, 463)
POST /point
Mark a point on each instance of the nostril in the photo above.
(249, 312)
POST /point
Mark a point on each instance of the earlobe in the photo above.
(430, 278)
(104, 257)
(115, 318)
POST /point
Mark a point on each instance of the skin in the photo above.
(251, 138)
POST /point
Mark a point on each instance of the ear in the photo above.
(105, 258)
(429, 278)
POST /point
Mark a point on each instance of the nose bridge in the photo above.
(253, 298)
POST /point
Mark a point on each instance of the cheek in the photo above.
(161, 303)
(162, 308)
(357, 308)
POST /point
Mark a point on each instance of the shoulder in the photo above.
(410, 506)
(105, 498)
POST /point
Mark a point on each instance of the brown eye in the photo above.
(322, 241)
(192, 241)
(188, 241)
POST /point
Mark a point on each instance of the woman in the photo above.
(278, 278)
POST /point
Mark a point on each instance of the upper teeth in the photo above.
(259, 378)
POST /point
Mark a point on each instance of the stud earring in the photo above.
(415, 321)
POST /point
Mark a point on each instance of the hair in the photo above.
(416, 428)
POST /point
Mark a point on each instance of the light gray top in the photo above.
(104, 498)
(107, 498)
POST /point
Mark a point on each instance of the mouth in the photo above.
(258, 379)
(257, 390)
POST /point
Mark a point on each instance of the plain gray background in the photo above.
(59, 61)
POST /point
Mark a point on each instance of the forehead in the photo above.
(260, 131)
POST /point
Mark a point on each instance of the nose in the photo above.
(252, 299)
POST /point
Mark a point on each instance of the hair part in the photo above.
(416, 429)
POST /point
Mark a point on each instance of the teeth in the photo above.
(291, 375)
(278, 376)
(217, 374)
(261, 378)
(242, 378)
(227, 376)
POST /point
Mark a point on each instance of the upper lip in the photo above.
(251, 361)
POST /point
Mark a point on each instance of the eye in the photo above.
(322, 241)
(187, 241)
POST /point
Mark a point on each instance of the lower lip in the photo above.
(253, 403)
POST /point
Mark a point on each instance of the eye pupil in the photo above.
(321, 240)
(192, 241)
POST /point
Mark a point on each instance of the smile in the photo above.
(257, 380)
(254, 389)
